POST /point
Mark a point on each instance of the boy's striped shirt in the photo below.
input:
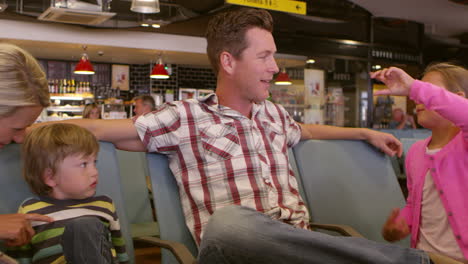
(45, 246)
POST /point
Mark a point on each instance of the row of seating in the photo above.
(408, 133)
(408, 138)
(342, 182)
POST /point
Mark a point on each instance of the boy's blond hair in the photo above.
(22, 80)
(47, 146)
(455, 77)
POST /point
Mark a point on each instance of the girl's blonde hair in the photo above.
(455, 77)
(22, 81)
(47, 146)
(88, 108)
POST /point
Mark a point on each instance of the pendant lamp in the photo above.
(159, 71)
(283, 78)
(145, 6)
(3, 5)
(84, 66)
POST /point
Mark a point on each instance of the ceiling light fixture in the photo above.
(145, 6)
(283, 78)
(159, 71)
(310, 61)
(154, 23)
(3, 5)
(84, 66)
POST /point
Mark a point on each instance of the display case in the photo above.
(113, 111)
(66, 106)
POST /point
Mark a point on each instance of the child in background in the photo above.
(436, 212)
(60, 167)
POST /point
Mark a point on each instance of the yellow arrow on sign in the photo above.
(289, 6)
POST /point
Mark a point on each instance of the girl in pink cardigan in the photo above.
(436, 211)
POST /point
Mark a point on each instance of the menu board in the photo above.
(56, 69)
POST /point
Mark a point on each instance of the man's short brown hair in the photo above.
(47, 146)
(226, 32)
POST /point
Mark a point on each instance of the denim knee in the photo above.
(228, 220)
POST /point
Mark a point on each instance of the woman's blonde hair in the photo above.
(22, 81)
(88, 108)
(455, 77)
(47, 146)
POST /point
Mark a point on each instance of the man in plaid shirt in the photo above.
(229, 150)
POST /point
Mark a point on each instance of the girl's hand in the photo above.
(387, 143)
(395, 229)
(397, 81)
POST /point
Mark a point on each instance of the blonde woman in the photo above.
(92, 111)
(23, 95)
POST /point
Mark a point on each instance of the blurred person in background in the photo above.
(92, 111)
(401, 120)
(143, 104)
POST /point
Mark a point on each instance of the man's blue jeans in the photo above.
(238, 234)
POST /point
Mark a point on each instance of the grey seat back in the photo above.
(166, 198)
(348, 182)
(408, 142)
(399, 133)
(134, 170)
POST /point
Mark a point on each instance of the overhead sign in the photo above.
(289, 6)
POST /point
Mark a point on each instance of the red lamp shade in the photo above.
(84, 66)
(159, 72)
(283, 78)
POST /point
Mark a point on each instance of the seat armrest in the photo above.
(342, 229)
(5, 259)
(441, 259)
(182, 254)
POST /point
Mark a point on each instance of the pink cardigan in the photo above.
(449, 166)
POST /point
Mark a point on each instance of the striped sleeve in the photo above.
(118, 240)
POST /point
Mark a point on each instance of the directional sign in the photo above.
(289, 6)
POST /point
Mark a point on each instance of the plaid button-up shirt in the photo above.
(220, 157)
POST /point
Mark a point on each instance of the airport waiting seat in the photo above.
(14, 190)
(348, 182)
(171, 218)
(133, 171)
(176, 236)
(407, 143)
(422, 133)
(399, 133)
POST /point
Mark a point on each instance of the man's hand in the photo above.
(16, 229)
(397, 81)
(395, 229)
(389, 144)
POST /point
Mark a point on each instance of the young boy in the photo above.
(60, 167)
